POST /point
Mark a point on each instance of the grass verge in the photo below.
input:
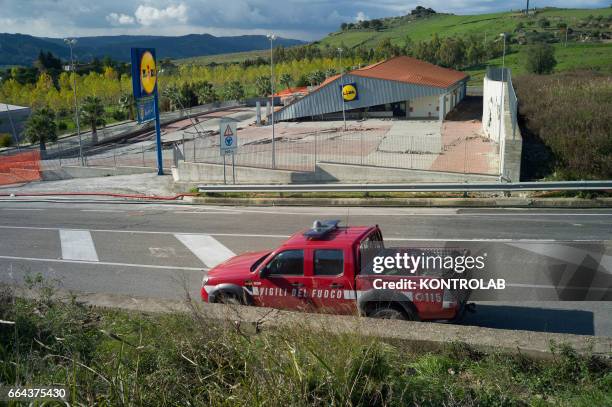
(109, 357)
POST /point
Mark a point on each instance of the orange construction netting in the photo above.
(20, 167)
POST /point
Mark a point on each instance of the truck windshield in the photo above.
(258, 262)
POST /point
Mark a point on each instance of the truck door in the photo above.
(285, 285)
(332, 281)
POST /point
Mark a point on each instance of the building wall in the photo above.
(18, 118)
(371, 92)
(427, 106)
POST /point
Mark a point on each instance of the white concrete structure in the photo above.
(491, 108)
(499, 121)
(12, 118)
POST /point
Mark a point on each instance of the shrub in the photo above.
(571, 113)
(540, 58)
(5, 140)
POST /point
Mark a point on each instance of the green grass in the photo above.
(576, 55)
(111, 357)
(596, 56)
(224, 58)
(446, 25)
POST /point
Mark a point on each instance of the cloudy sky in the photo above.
(302, 19)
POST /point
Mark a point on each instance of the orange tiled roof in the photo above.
(411, 70)
(291, 91)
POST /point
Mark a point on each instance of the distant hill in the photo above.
(20, 49)
(444, 25)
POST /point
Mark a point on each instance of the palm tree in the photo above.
(41, 127)
(206, 93)
(233, 91)
(286, 80)
(263, 86)
(330, 72)
(316, 77)
(126, 104)
(92, 113)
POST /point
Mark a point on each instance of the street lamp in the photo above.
(272, 37)
(342, 87)
(70, 43)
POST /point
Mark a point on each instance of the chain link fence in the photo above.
(452, 149)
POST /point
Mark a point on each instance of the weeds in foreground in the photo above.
(119, 358)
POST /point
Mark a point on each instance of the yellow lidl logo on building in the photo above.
(349, 92)
(148, 72)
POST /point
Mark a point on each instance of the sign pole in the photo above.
(224, 179)
(233, 168)
(160, 159)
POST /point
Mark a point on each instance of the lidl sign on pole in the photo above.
(144, 86)
(144, 82)
(228, 137)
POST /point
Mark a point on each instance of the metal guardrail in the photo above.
(434, 187)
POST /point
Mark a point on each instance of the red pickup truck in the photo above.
(324, 269)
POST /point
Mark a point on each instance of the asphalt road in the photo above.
(163, 250)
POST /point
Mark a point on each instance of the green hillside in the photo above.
(446, 25)
(230, 57)
(589, 44)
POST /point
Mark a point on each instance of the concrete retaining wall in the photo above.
(69, 172)
(408, 335)
(187, 172)
(331, 172)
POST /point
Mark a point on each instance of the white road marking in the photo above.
(162, 252)
(103, 210)
(547, 286)
(104, 263)
(387, 238)
(198, 212)
(411, 239)
(206, 248)
(22, 209)
(145, 232)
(77, 245)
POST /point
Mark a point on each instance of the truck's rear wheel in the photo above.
(391, 312)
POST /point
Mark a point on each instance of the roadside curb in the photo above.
(408, 335)
(412, 202)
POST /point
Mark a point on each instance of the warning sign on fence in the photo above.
(228, 137)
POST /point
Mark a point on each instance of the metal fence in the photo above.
(429, 152)
(142, 154)
(110, 149)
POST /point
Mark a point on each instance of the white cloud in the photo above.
(361, 16)
(148, 15)
(119, 19)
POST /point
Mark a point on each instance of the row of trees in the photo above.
(42, 126)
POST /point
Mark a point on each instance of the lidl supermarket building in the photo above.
(400, 87)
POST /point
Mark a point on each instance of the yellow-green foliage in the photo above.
(109, 86)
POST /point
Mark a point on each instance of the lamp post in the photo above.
(342, 87)
(272, 37)
(70, 43)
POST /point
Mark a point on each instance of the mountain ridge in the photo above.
(23, 49)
